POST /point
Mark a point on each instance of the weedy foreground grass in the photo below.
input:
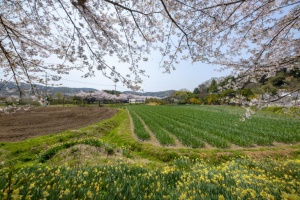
(182, 179)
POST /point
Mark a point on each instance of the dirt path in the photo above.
(152, 140)
(132, 126)
(46, 120)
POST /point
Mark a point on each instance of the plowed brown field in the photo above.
(48, 120)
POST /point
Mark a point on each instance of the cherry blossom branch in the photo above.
(18, 35)
(12, 68)
(98, 25)
(199, 10)
(24, 68)
(128, 9)
(281, 97)
(129, 46)
(223, 4)
(176, 24)
(276, 35)
(138, 27)
(91, 50)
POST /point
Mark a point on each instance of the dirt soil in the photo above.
(48, 120)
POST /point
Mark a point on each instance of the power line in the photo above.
(6, 83)
(85, 82)
(82, 82)
(122, 88)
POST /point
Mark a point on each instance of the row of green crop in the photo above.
(139, 128)
(192, 130)
(220, 126)
(263, 127)
(182, 179)
(186, 131)
(257, 130)
(263, 122)
(160, 133)
(181, 131)
(217, 135)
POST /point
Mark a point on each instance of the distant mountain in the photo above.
(10, 88)
(153, 94)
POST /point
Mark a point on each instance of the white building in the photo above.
(134, 101)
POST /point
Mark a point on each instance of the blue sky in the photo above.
(186, 76)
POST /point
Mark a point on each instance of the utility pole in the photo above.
(116, 92)
(46, 88)
(46, 84)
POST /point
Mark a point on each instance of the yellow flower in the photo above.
(31, 186)
(16, 191)
(67, 191)
(221, 197)
(45, 194)
(182, 196)
(85, 173)
(286, 196)
(253, 194)
(243, 193)
(89, 194)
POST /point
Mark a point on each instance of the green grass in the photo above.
(50, 152)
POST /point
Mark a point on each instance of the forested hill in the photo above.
(10, 88)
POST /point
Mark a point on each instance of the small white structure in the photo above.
(134, 101)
